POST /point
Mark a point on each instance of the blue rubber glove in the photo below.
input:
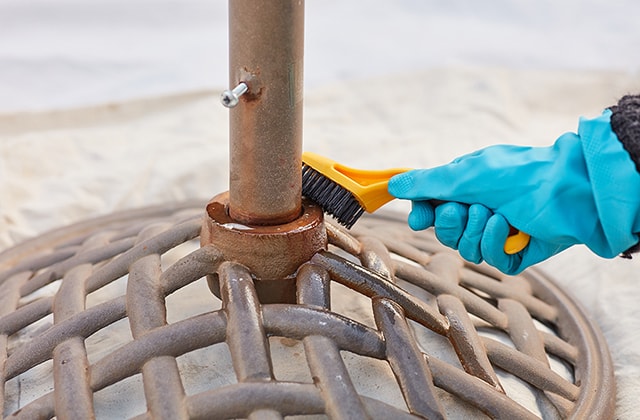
(584, 189)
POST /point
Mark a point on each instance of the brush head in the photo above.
(334, 199)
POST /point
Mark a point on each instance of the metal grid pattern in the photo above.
(418, 294)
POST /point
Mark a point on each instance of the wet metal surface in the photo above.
(490, 329)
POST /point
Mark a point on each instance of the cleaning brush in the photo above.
(346, 193)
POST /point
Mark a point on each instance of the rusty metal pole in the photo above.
(266, 48)
(263, 222)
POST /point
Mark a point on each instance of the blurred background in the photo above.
(69, 53)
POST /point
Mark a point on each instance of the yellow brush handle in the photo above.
(516, 242)
(370, 189)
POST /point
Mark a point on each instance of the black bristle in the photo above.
(331, 196)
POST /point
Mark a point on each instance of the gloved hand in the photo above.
(583, 189)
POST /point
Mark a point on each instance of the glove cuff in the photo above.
(615, 185)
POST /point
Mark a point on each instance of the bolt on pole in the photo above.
(266, 44)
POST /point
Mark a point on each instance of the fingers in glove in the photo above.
(469, 244)
(451, 220)
(492, 246)
(422, 215)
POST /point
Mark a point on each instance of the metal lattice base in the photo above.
(112, 318)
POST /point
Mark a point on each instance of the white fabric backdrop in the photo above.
(68, 53)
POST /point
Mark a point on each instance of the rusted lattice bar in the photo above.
(407, 361)
(147, 311)
(453, 302)
(466, 341)
(70, 363)
(326, 364)
(245, 331)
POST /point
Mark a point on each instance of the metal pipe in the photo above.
(266, 44)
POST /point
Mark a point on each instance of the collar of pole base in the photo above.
(272, 253)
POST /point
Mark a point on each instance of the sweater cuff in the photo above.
(625, 123)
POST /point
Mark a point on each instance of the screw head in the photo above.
(229, 99)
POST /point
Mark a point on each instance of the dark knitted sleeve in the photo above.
(625, 122)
